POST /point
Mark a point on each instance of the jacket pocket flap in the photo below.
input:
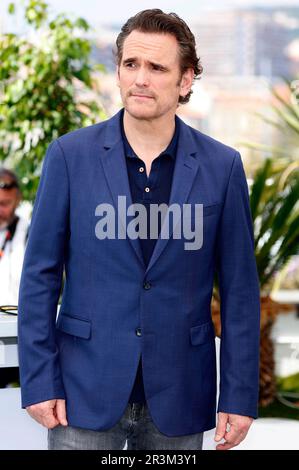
(74, 326)
(211, 209)
(202, 333)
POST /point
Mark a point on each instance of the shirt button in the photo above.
(147, 189)
(147, 285)
(141, 169)
(138, 331)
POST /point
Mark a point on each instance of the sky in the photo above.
(118, 11)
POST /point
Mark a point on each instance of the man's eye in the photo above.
(158, 68)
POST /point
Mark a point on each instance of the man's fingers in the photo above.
(221, 426)
(233, 437)
(238, 428)
(43, 413)
(229, 444)
(61, 412)
(50, 421)
(224, 446)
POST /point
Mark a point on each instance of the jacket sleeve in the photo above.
(239, 300)
(41, 282)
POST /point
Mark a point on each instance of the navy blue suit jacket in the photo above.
(114, 308)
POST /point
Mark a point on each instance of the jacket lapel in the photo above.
(115, 169)
(186, 166)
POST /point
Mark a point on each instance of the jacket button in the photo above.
(138, 331)
(147, 285)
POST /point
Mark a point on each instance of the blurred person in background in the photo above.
(13, 236)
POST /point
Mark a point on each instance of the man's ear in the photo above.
(186, 82)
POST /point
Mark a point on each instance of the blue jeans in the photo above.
(135, 428)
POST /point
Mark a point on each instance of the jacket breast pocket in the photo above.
(211, 209)
(200, 334)
(74, 326)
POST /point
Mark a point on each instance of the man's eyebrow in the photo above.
(134, 59)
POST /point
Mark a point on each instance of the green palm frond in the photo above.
(292, 121)
(258, 187)
(287, 106)
(275, 213)
(285, 119)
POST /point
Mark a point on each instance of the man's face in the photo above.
(9, 200)
(149, 75)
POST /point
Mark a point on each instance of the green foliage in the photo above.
(274, 194)
(274, 204)
(289, 383)
(274, 201)
(46, 84)
(277, 409)
(287, 111)
(36, 12)
(285, 120)
(11, 8)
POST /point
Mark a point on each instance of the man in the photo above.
(135, 302)
(13, 234)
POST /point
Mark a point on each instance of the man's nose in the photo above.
(142, 77)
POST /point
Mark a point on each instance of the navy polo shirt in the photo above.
(154, 189)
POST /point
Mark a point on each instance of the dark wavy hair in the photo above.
(156, 21)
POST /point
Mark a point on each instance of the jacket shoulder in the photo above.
(84, 134)
(213, 146)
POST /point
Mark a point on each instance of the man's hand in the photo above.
(49, 413)
(238, 429)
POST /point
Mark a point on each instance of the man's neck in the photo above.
(149, 137)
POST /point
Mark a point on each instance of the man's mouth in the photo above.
(135, 95)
